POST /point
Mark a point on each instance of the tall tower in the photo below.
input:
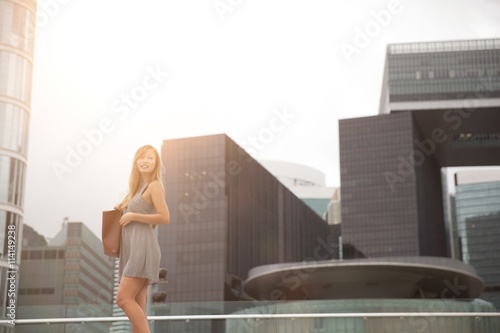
(441, 75)
(68, 277)
(477, 202)
(440, 107)
(17, 30)
(228, 215)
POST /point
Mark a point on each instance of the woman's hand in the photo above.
(126, 219)
(117, 206)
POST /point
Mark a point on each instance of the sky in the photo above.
(275, 76)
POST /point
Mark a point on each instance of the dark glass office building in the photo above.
(436, 75)
(478, 220)
(440, 107)
(228, 215)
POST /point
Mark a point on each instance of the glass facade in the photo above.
(390, 164)
(228, 215)
(17, 26)
(320, 206)
(351, 316)
(478, 224)
(70, 274)
(305, 182)
(436, 71)
(425, 324)
(377, 219)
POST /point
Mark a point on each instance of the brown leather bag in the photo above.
(111, 232)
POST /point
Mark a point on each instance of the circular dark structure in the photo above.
(395, 277)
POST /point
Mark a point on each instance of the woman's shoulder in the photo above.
(155, 185)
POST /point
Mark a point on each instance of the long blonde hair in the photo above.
(135, 176)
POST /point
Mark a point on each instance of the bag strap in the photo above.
(144, 188)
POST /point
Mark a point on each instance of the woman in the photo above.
(143, 209)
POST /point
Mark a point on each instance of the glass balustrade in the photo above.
(339, 316)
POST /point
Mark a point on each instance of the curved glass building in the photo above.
(422, 324)
(371, 295)
(305, 182)
(17, 30)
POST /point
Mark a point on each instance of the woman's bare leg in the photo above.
(141, 297)
(128, 290)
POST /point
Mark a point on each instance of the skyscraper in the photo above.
(440, 107)
(17, 26)
(461, 74)
(477, 201)
(68, 277)
(228, 215)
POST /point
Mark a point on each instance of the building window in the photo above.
(47, 291)
(33, 291)
(35, 254)
(50, 254)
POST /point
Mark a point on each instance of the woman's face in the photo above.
(146, 162)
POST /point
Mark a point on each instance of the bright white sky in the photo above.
(229, 69)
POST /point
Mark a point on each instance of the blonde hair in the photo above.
(135, 176)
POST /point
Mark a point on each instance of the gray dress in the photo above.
(139, 249)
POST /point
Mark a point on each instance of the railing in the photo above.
(365, 316)
(355, 316)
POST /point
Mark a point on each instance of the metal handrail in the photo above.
(402, 315)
